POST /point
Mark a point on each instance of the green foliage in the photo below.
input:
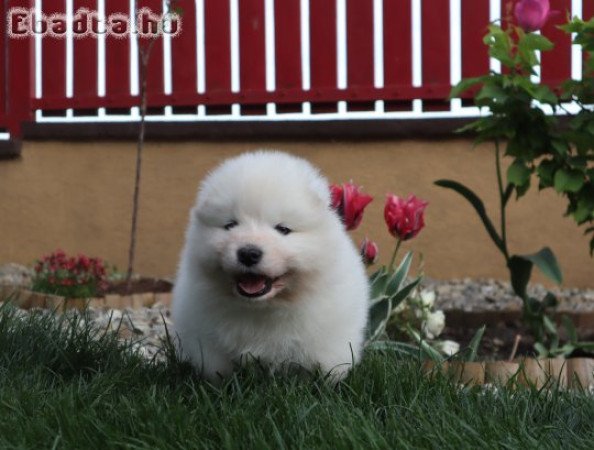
(470, 353)
(560, 155)
(388, 290)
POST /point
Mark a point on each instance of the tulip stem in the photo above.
(391, 266)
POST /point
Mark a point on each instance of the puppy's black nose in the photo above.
(249, 255)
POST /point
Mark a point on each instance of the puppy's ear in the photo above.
(320, 189)
(209, 213)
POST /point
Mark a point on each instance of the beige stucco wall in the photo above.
(77, 196)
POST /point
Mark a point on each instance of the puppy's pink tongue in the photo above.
(252, 284)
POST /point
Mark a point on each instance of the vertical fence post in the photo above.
(19, 72)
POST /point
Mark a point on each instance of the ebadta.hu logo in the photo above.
(23, 22)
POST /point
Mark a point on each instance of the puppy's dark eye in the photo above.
(283, 230)
(230, 224)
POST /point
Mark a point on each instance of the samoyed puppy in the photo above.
(268, 272)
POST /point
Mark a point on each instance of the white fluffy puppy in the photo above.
(268, 271)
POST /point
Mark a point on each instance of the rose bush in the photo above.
(559, 154)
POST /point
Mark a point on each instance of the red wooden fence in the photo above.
(305, 56)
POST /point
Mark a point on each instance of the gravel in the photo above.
(494, 295)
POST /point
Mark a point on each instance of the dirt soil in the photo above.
(139, 286)
(498, 340)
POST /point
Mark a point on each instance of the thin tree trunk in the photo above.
(144, 59)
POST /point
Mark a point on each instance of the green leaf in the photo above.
(499, 44)
(378, 282)
(491, 92)
(533, 41)
(429, 351)
(568, 180)
(545, 172)
(377, 274)
(560, 146)
(464, 85)
(549, 325)
(520, 270)
(546, 261)
(403, 293)
(478, 206)
(543, 94)
(475, 342)
(549, 300)
(518, 173)
(377, 299)
(541, 349)
(589, 346)
(569, 329)
(567, 349)
(585, 207)
(399, 275)
(378, 315)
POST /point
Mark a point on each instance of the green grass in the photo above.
(62, 388)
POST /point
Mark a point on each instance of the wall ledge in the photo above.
(333, 130)
(10, 149)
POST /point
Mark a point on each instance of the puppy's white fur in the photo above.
(315, 312)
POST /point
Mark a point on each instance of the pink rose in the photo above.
(349, 202)
(532, 15)
(404, 217)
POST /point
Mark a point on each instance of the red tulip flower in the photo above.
(349, 202)
(532, 15)
(369, 251)
(404, 217)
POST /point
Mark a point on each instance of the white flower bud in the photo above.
(427, 298)
(448, 348)
(435, 324)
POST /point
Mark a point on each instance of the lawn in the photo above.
(65, 386)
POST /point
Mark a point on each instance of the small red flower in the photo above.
(349, 202)
(70, 264)
(404, 217)
(369, 251)
(84, 261)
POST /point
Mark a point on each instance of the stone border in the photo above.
(26, 299)
(576, 373)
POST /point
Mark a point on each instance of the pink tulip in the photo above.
(349, 202)
(532, 15)
(404, 217)
(369, 251)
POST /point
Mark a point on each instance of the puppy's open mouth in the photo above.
(252, 285)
